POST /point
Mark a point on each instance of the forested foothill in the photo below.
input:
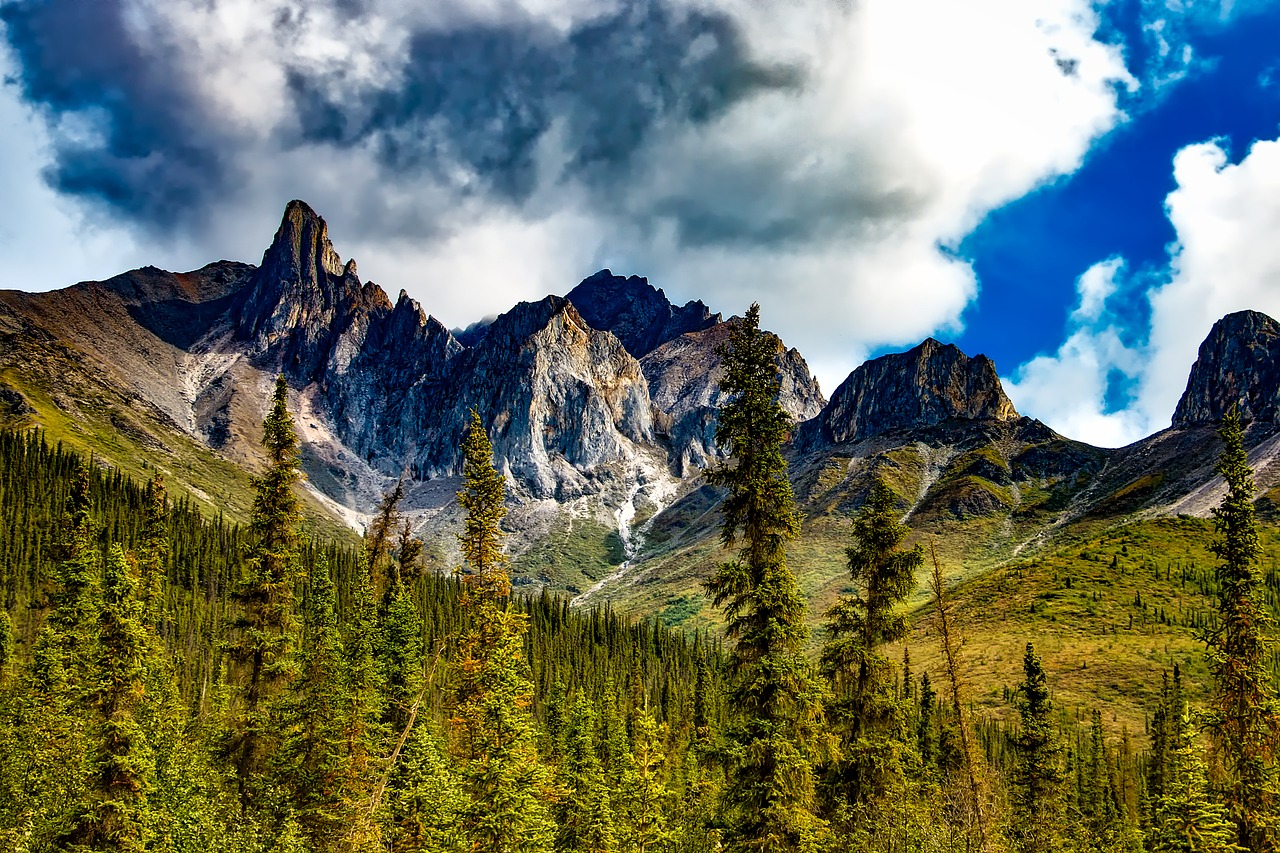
(175, 682)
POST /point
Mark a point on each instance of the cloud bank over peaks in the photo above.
(823, 158)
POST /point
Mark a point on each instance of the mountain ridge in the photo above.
(602, 406)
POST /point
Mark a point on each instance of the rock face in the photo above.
(1238, 365)
(684, 384)
(919, 388)
(637, 313)
(559, 397)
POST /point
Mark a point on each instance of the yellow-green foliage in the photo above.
(1107, 613)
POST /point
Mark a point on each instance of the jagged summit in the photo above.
(924, 386)
(639, 314)
(1238, 365)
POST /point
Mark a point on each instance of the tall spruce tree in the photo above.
(1186, 818)
(1243, 717)
(314, 759)
(769, 800)
(262, 641)
(1039, 813)
(154, 551)
(585, 815)
(492, 732)
(869, 710)
(114, 813)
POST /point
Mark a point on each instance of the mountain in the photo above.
(636, 312)
(684, 377)
(602, 406)
(922, 387)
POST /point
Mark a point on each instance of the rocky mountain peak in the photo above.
(1238, 364)
(639, 314)
(684, 377)
(919, 388)
(301, 294)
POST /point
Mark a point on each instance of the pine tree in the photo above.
(869, 711)
(769, 802)
(314, 757)
(1243, 717)
(492, 732)
(585, 818)
(114, 815)
(1036, 792)
(1187, 820)
(263, 639)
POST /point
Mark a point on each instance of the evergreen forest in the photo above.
(174, 682)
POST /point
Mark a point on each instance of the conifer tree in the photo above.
(1187, 820)
(483, 497)
(426, 800)
(65, 649)
(314, 757)
(769, 801)
(48, 756)
(1036, 791)
(1243, 716)
(263, 638)
(862, 678)
(377, 540)
(154, 551)
(926, 736)
(114, 814)
(492, 732)
(585, 818)
(645, 801)
(6, 647)
(400, 654)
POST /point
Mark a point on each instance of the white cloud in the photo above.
(1069, 389)
(835, 205)
(1226, 258)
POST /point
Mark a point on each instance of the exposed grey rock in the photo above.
(1238, 365)
(924, 386)
(639, 314)
(684, 384)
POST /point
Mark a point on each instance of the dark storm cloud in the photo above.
(148, 149)
(486, 95)
(469, 106)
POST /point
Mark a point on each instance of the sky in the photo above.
(1076, 189)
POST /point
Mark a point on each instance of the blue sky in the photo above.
(1076, 189)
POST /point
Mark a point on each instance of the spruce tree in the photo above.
(154, 551)
(584, 814)
(1039, 814)
(263, 637)
(1187, 820)
(868, 709)
(6, 647)
(426, 800)
(492, 732)
(114, 814)
(314, 756)
(645, 801)
(1243, 717)
(769, 801)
